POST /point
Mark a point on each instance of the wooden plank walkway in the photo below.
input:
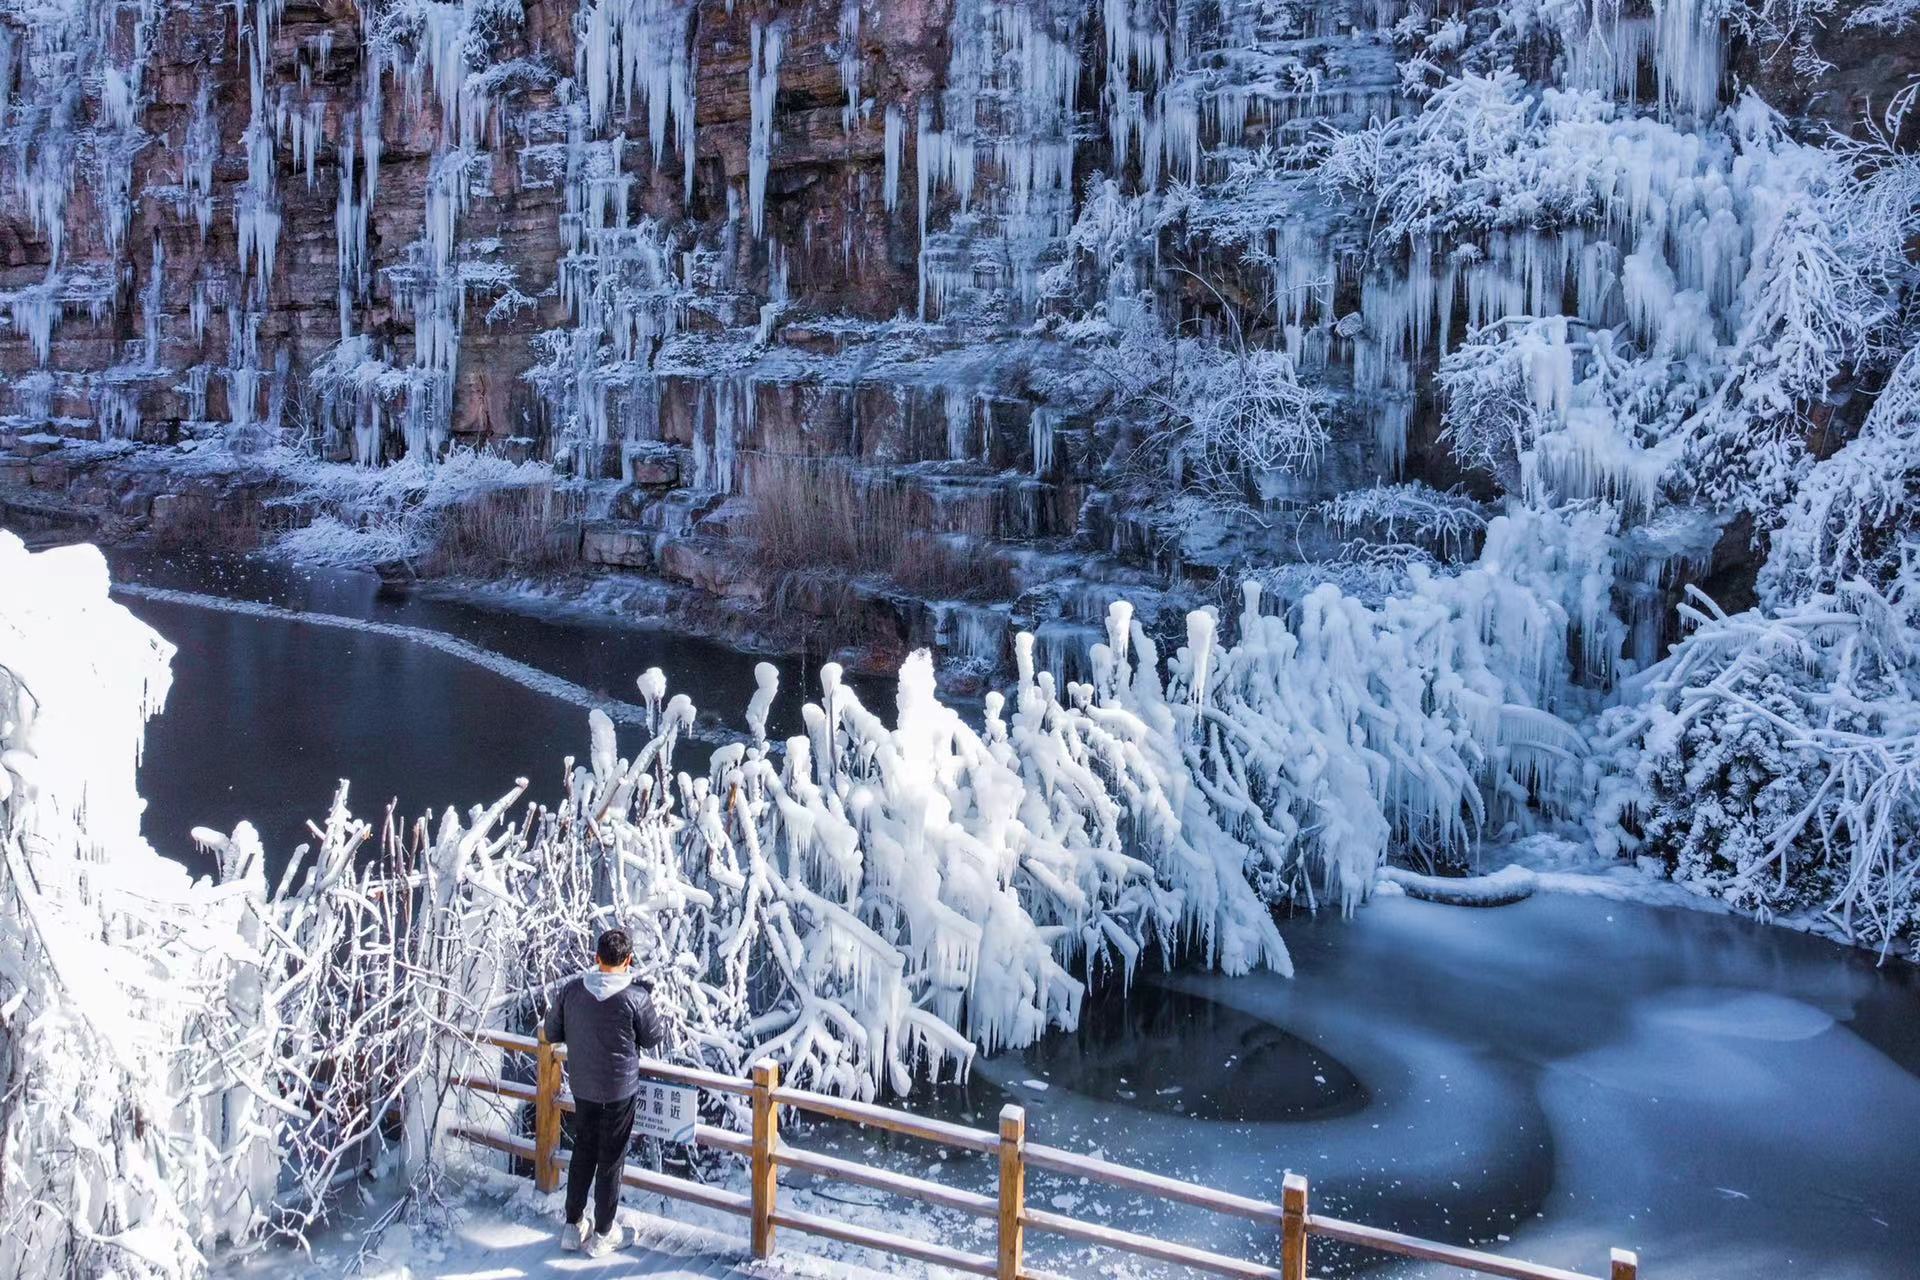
(1292, 1221)
(514, 1247)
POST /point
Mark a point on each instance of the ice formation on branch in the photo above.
(1854, 517)
(867, 902)
(192, 1062)
(1773, 761)
(105, 1168)
(1448, 522)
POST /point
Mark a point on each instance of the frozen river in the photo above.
(1548, 1078)
(269, 711)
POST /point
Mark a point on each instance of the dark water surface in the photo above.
(267, 715)
(1545, 1079)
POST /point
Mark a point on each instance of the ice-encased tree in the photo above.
(1854, 517)
(867, 903)
(1333, 732)
(108, 1164)
(190, 1062)
(1773, 761)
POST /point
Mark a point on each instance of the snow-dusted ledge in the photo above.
(1511, 883)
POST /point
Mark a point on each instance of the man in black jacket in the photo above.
(605, 1021)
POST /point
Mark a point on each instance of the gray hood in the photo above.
(602, 985)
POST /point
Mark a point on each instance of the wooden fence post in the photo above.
(1013, 1189)
(766, 1140)
(1626, 1265)
(1293, 1226)
(546, 1116)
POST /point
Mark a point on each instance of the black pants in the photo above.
(602, 1132)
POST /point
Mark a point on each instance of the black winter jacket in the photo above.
(606, 1021)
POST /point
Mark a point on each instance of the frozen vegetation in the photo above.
(868, 903)
(864, 902)
(1456, 350)
(201, 1064)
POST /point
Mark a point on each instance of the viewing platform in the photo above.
(768, 1221)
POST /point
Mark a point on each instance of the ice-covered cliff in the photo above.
(1006, 304)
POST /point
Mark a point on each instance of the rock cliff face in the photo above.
(765, 236)
(726, 256)
(220, 214)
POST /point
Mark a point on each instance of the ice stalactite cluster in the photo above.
(630, 279)
(998, 146)
(851, 65)
(1655, 312)
(1205, 121)
(1558, 204)
(627, 287)
(1610, 321)
(629, 53)
(72, 82)
(413, 48)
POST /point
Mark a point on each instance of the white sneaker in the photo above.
(606, 1242)
(574, 1235)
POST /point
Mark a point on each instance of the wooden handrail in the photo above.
(717, 1139)
(496, 1141)
(670, 1071)
(1061, 1224)
(1293, 1226)
(509, 1041)
(548, 1080)
(504, 1088)
(1406, 1246)
(766, 1155)
(1012, 1219)
(901, 1122)
(899, 1184)
(1054, 1160)
(888, 1242)
(765, 1174)
(660, 1184)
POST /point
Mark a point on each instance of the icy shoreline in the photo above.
(1557, 865)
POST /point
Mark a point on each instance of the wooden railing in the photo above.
(1291, 1220)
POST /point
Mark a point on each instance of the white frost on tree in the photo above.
(1773, 761)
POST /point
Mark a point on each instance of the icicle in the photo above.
(896, 130)
(1040, 428)
(197, 158)
(152, 304)
(1689, 55)
(763, 87)
(849, 52)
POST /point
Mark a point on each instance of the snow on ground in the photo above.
(494, 1226)
(1562, 865)
(1510, 883)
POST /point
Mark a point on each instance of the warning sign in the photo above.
(666, 1112)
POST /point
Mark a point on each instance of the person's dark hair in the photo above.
(615, 947)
